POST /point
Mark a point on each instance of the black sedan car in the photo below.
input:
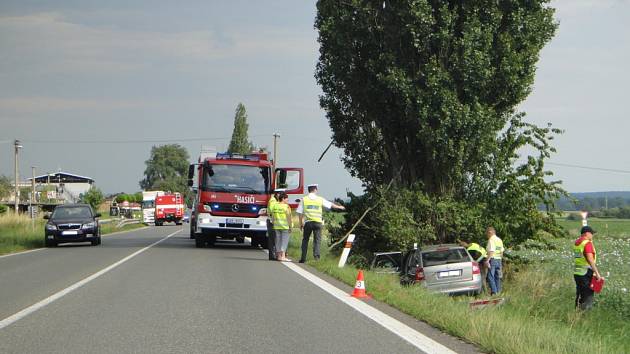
(72, 223)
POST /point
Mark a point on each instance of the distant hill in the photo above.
(595, 200)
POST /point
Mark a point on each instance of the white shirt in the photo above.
(312, 196)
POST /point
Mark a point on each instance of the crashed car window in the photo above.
(439, 257)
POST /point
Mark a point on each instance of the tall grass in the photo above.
(538, 316)
(19, 232)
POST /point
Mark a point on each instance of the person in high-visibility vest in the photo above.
(494, 260)
(311, 211)
(282, 224)
(271, 235)
(585, 268)
(477, 252)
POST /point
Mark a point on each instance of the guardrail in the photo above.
(120, 222)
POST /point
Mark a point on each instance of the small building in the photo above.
(67, 186)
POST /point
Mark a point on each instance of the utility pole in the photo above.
(33, 191)
(33, 198)
(275, 150)
(17, 145)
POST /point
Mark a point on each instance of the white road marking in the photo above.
(54, 297)
(43, 248)
(22, 252)
(407, 333)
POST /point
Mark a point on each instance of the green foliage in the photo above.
(424, 94)
(404, 216)
(167, 170)
(240, 143)
(131, 198)
(5, 186)
(3, 208)
(619, 213)
(94, 197)
(25, 194)
(137, 197)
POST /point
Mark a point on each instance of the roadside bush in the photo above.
(574, 217)
(3, 208)
(402, 217)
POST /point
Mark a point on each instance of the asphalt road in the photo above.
(175, 298)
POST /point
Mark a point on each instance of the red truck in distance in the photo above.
(231, 196)
(169, 207)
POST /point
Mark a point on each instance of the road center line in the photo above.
(52, 298)
(400, 329)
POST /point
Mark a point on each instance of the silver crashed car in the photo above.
(443, 268)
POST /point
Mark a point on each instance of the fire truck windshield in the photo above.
(235, 179)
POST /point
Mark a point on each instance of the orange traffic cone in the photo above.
(359, 287)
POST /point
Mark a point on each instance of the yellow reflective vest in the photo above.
(313, 209)
(498, 247)
(581, 264)
(474, 247)
(280, 213)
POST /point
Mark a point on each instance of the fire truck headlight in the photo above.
(205, 220)
(206, 207)
(262, 211)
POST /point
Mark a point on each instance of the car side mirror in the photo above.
(97, 215)
(46, 216)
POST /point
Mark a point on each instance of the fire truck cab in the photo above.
(231, 196)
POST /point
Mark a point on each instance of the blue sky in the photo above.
(119, 70)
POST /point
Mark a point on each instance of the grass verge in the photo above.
(537, 318)
(19, 233)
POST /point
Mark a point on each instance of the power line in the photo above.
(131, 141)
(587, 167)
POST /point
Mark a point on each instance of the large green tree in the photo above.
(240, 143)
(167, 169)
(425, 93)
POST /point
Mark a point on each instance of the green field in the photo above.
(539, 315)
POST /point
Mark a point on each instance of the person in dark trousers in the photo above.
(585, 268)
(271, 234)
(311, 211)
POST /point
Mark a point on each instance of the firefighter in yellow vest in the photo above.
(494, 260)
(585, 268)
(311, 211)
(282, 224)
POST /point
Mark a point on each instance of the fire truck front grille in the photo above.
(235, 208)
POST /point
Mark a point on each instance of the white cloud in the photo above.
(50, 43)
(31, 105)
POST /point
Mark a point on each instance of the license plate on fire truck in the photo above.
(234, 221)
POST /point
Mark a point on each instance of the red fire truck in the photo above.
(231, 195)
(169, 207)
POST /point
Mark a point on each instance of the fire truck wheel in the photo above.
(200, 242)
(211, 239)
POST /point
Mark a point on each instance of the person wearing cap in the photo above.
(585, 268)
(311, 212)
(493, 262)
(271, 235)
